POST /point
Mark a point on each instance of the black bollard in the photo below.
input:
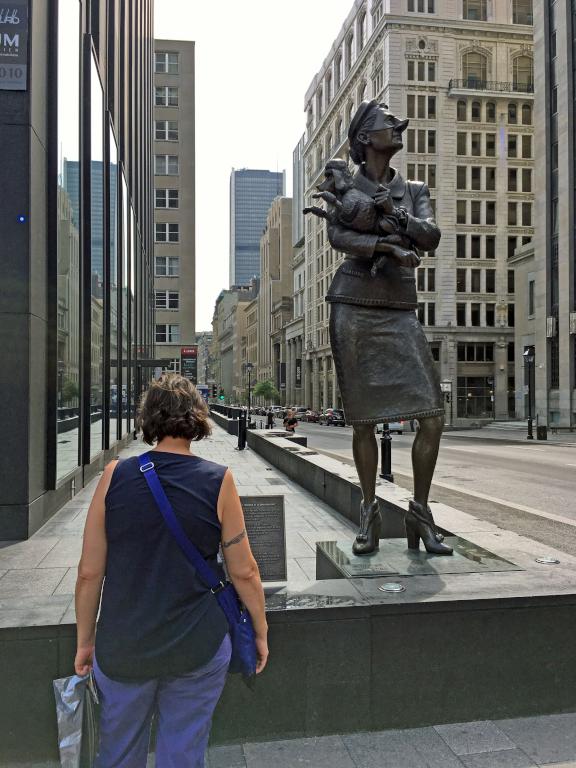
(242, 431)
(386, 450)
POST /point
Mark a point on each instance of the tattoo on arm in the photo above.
(235, 540)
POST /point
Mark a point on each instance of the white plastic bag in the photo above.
(77, 706)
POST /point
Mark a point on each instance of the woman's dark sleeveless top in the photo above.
(157, 618)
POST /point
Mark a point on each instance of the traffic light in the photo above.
(221, 397)
(214, 390)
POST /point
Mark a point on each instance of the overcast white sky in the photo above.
(254, 62)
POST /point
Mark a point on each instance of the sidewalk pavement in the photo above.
(37, 580)
(535, 741)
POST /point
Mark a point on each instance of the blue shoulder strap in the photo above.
(202, 568)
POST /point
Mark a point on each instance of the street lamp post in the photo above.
(529, 358)
(446, 387)
(386, 451)
(249, 368)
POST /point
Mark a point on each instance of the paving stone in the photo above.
(25, 554)
(432, 747)
(323, 752)
(68, 584)
(31, 582)
(385, 749)
(549, 739)
(471, 738)
(33, 611)
(65, 554)
(226, 757)
(509, 758)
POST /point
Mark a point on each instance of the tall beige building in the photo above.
(275, 294)
(174, 198)
(462, 71)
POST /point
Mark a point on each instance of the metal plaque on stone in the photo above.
(266, 528)
(13, 46)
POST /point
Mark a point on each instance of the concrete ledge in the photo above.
(228, 425)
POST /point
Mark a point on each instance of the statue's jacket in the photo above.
(393, 286)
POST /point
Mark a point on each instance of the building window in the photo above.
(166, 63)
(377, 14)
(511, 317)
(474, 10)
(167, 233)
(531, 303)
(166, 96)
(378, 82)
(461, 281)
(527, 114)
(166, 165)
(167, 266)
(337, 72)
(461, 206)
(167, 333)
(460, 314)
(512, 113)
(421, 6)
(490, 247)
(490, 145)
(166, 130)
(349, 52)
(512, 179)
(431, 313)
(490, 213)
(491, 280)
(526, 214)
(462, 111)
(512, 243)
(461, 177)
(475, 315)
(490, 112)
(475, 352)
(527, 146)
(476, 212)
(167, 299)
(476, 112)
(461, 141)
(474, 70)
(512, 217)
(512, 145)
(167, 198)
(490, 178)
(522, 12)
(490, 315)
(526, 180)
(510, 281)
(475, 246)
(523, 74)
(476, 178)
(475, 275)
(476, 144)
(460, 246)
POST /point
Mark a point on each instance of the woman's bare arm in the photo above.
(91, 572)
(240, 563)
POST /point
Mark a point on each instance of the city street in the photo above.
(520, 485)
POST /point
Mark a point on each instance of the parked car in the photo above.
(300, 413)
(395, 426)
(312, 416)
(332, 417)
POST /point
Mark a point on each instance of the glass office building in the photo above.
(251, 194)
(77, 254)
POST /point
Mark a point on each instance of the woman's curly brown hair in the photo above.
(173, 407)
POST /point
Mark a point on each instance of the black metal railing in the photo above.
(475, 84)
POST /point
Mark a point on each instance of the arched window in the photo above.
(338, 133)
(309, 120)
(338, 71)
(349, 52)
(361, 27)
(362, 91)
(512, 113)
(328, 145)
(474, 69)
(461, 111)
(490, 112)
(526, 114)
(522, 12)
(349, 113)
(328, 89)
(319, 102)
(476, 112)
(319, 158)
(524, 74)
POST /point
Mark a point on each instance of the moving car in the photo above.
(394, 426)
(332, 417)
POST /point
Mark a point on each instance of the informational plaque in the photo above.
(13, 45)
(298, 382)
(264, 516)
(188, 361)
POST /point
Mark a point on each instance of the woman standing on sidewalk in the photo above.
(162, 643)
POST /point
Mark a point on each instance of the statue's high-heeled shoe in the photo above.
(368, 538)
(420, 525)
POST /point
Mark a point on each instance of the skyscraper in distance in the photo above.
(251, 194)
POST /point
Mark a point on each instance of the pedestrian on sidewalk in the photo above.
(290, 422)
(270, 419)
(161, 645)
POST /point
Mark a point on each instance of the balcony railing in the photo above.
(472, 83)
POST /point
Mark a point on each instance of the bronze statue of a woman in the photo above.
(384, 367)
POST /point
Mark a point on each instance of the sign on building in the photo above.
(298, 382)
(13, 46)
(189, 363)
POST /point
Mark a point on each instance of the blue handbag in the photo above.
(242, 635)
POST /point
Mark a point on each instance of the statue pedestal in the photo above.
(335, 560)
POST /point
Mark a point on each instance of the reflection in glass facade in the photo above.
(68, 239)
(251, 194)
(113, 213)
(96, 259)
